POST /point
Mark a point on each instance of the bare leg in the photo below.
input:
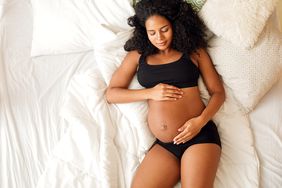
(199, 165)
(158, 169)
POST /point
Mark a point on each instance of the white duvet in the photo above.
(105, 143)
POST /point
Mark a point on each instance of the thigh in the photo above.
(159, 168)
(199, 165)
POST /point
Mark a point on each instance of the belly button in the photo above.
(163, 127)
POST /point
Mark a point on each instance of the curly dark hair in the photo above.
(188, 28)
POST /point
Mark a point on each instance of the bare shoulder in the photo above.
(125, 72)
(200, 54)
(132, 56)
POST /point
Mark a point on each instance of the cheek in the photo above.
(151, 38)
(170, 35)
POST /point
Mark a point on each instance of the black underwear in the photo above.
(208, 134)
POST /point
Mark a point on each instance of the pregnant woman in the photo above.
(168, 53)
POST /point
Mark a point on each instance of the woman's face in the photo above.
(159, 31)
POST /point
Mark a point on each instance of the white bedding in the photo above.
(86, 143)
(266, 126)
(118, 144)
(31, 95)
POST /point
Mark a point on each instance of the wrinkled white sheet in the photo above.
(238, 159)
(39, 148)
(31, 95)
(105, 147)
(100, 142)
(266, 125)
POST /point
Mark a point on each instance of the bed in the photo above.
(56, 129)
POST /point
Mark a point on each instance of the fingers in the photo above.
(186, 133)
(173, 92)
(171, 96)
(182, 128)
(182, 137)
(170, 87)
(170, 92)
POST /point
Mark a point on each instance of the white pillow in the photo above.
(239, 22)
(70, 26)
(2, 7)
(109, 55)
(249, 73)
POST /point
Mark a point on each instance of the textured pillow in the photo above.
(197, 4)
(249, 73)
(239, 22)
(70, 26)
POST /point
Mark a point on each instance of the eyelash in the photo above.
(164, 30)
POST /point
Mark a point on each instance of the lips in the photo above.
(161, 43)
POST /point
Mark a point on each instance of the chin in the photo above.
(162, 48)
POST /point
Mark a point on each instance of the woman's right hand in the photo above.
(163, 92)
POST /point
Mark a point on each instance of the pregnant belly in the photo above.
(165, 117)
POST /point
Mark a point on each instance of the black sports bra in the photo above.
(180, 73)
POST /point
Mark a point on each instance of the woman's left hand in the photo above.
(190, 129)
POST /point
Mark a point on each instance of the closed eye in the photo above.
(164, 29)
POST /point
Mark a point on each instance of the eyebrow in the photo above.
(160, 28)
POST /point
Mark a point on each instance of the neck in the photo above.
(166, 51)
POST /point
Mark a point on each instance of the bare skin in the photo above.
(175, 114)
(166, 117)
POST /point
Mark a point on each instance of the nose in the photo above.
(159, 36)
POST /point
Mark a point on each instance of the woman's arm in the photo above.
(215, 87)
(118, 92)
(213, 84)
